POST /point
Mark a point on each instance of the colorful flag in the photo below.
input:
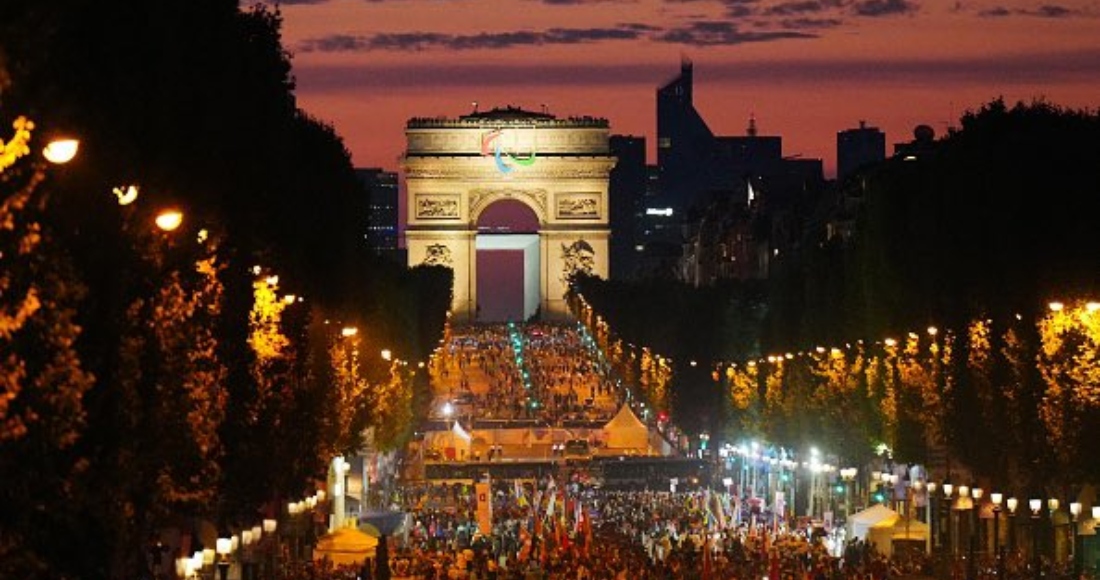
(484, 507)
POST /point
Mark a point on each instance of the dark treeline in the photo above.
(993, 220)
(685, 324)
(973, 237)
(156, 379)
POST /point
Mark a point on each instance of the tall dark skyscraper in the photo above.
(706, 217)
(687, 153)
(858, 147)
(626, 190)
(382, 191)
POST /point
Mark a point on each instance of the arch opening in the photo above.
(507, 262)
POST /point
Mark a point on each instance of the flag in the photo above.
(711, 519)
(720, 510)
(484, 508)
(587, 531)
(752, 194)
(521, 500)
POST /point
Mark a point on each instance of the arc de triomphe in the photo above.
(558, 168)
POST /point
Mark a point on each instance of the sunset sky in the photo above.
(805, 68)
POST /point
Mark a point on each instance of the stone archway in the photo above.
(457, 168)
(507, 262)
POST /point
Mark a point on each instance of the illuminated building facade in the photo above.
(558, 169)
(381, 189)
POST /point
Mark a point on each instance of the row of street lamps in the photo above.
(969, 499)
(253, 550)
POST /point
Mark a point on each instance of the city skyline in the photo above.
(804, 69)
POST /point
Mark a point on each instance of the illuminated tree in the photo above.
(351, 396)
(42, 379)
(1069, 362)
(158, 442)
(744, 386)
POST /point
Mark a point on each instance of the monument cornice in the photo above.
(592, 168)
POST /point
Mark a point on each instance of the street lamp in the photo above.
(61, 151)
(929, 516)
(224, 546)
(1036, 506)
(169, 220)
(1012, 503)
(974, 533)
(997, 498)
(975, 516)
(1074, 511)
(947, 489)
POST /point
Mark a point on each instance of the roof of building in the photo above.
(508, 113)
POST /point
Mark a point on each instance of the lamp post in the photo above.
(974, 537)
(1012, 503)
(929, 517)
(997, 498)
(1074, 511)
(1052, 506)
(224, 546)
(947, 489)
(964, 503)
(1036, 506)
(246, 554)
(269, 526)
(1095, 520)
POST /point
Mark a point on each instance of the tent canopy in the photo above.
(626, 431)
(345, 546)
(460, 433)
(896, 529)
(860, 523)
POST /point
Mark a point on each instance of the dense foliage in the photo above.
(150, 379)
(927, 328)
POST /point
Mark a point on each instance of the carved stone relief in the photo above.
(578, 206)
(577, 258)
(437, 207)
(437, 255)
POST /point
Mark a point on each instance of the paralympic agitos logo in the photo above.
(491, 145)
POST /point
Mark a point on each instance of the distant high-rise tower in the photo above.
(858, 147)
(381, 189)
(626, 190)
(686, 149)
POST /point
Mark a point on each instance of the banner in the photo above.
(484, 508)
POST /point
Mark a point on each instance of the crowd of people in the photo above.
(568, 527)
(541, 530)
(542, 371)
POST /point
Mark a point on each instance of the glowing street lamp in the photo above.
(997, 499)
(61, 151)
(224, 546)
(169, 220)
(1074, 511)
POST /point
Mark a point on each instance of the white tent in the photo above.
(859, 524)
(346, 546)
(897, 529)
(458, 445)
(626, 433)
